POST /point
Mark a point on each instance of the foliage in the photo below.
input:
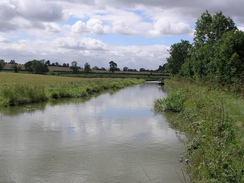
(163, 68)
(174, 102)
(125, 69)
(2, 64)
(216, 53)
(16, 68)
(74, 67)
(12, 62)
(229, 59)
(209, 31)
(113, 66)
(37, 66)
(87, 67)
(210, 28)
(178, 54)
(218, 148)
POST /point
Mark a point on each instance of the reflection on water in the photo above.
(114, 137)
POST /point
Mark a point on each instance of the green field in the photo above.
(18, 89)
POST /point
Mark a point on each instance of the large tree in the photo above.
(87, 67)
(178, 54)
(74, 67)
(209, 31)
(113, 66)
(210, 28)
(36, 66)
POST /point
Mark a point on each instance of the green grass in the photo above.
(213, 122)
(174, 102)
(18, 89)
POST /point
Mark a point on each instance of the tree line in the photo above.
(217, 51)
(41, 67)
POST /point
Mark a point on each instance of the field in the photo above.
(66, 71)
(18, 89)
(213, 120)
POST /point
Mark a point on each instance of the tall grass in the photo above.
(18, 89)
(174, 102)
(213, 122)
(22, 94)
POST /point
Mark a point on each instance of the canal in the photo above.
(111, 138)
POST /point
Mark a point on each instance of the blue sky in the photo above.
(132, 33)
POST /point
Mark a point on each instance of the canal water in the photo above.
(111, 138)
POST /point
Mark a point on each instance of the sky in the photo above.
(132, 33)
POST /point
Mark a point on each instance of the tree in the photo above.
(163, 68)
(142, 69)
(87, 67)
(209, 31)
(36, 66)
(210, 28)
(2, 64)
(65, 65)
(16, 68)
(113, 66)
(74, 67)
(12, 62)
(229, 59)
(125, 69)
(95, 68)
(48, 62)
(178, 54)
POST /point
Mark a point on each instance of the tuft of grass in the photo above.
(174, 102)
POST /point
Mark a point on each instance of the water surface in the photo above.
(112, 138)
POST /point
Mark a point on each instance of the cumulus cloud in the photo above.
(67, 30)
(167, 27)
(80, 44)
(25, 14)
(92, 26)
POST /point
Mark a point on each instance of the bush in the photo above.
(174, 102)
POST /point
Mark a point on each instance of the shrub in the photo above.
(174, 102)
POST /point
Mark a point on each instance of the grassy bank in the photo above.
(18, 89)
(213, 122)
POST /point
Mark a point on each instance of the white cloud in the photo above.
(168, 27)
(84, 43)
(67, 30)
(92, 26)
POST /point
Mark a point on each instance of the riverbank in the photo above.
(19, 89)
(213, 122)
